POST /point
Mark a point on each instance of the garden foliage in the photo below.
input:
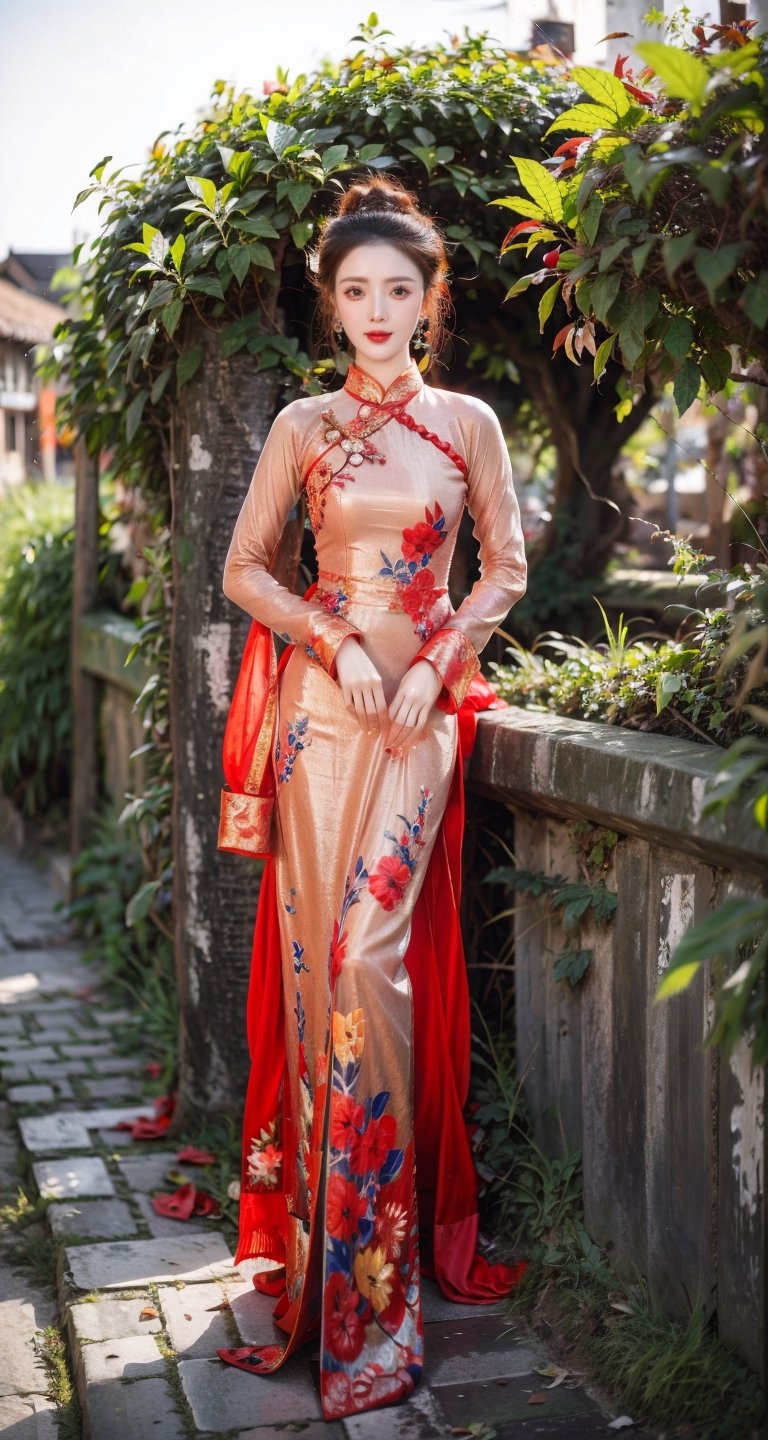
(655, 214)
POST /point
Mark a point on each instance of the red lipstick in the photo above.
(379, 335)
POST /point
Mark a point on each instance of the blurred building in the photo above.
(29, 443)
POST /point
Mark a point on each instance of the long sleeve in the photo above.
(272, 494)
(491, 500)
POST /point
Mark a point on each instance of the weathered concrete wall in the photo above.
(104, 639)
(672, 1135)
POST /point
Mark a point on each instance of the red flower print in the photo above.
(344, 1208)
(391, 1226)
(370, 1150)
(420, 597)
(393, 1315)
(387, 883)
(344, 1329)
(424, 538)
(338, 952)
(346, 1118)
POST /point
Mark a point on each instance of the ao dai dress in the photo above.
(355, 1154)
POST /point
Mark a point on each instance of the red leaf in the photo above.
(153, 1068)
(145, 1129)
(551, 258)
(178, 1206)
(205, 1204)
(560, 337)
(525, 225)
(572, 144)
(193, 1156)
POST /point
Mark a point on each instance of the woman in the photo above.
(356, 1162)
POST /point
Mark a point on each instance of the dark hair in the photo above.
(379, 209)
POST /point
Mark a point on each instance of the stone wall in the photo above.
(672, 1135)
(104, 639)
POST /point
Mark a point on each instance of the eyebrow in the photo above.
(389, 281)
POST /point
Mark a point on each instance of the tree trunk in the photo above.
(223, 416)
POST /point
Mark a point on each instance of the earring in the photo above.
(419, 337)
(338, 330)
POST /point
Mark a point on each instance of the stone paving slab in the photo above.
(135, 1357)
(27, 1054)
(305, 1430)
(24, 1309)
(112, 1087)
(108, 1318)
(91, 1219)
(74, 1175)
(162, 1227)
(128, 1263)
(148, 1171)
(466, 1402)
(68, 1130)
(478, 1349)
(31, 1094)
(417, 1418)
(196, 1328)
(252, 1313)
(116, 1411)
(28, 1417)
(225, 1398)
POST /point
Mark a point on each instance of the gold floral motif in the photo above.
(348, 1035)
(405, 385)
(245, 823)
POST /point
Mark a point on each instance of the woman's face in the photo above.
(378, 294)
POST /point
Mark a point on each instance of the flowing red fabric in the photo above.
(446, 1176)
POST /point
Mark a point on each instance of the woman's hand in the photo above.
(410, 709)
(360, 684)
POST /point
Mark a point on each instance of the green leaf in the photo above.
(177, 251)
(522, 207)
(755, 300)
(678, 336)
(519, 287)
(715, 366)
(279, 137)
(206, 285)
(677, 248)
(605, 288)
(299, 193)
(171, 315)
(260, 226)
(141, 903)
(683, 75)
(641, 253)
(333, 156)
(261, 255)
(590, 218)
(301, 231)
(540, 185)
(133, 414)
(159, 386)
(584, 119)
(239, 257)
(188, 364)
(686, 386)
(602, 356)
(572, 965)
(546, 304)
(738, 921)
(632, 336)
(610, 252)
(204, 189)
(603, 87)
(714, 266)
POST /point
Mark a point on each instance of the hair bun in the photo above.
(378, 195)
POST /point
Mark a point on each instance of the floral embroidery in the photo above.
(351, 439)
(338, 947)
(389, 879)
(294, 742)
(371, 1241)
(265, 1159)
(414, 579)
(334, 601)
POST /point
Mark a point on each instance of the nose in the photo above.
(378, 307)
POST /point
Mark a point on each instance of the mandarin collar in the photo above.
(364, 387)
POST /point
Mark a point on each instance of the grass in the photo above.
(672, 1376)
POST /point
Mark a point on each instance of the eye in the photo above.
(402, 290)
(353, 291)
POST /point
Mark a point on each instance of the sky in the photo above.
(88, 79)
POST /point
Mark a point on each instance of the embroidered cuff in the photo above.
(454, 658)
(326, 638)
